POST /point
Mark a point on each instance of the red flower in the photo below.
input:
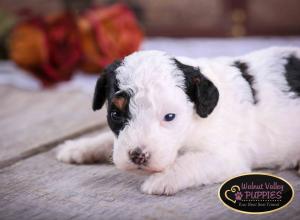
(107, 34)
(53, 47)
(63, 45)
(49, 48)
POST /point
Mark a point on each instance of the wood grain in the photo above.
(33, 122)
(43, 188)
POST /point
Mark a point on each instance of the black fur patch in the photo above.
(199, 89)
(117, 118)
(106, 85)
(107, 89)
(292, 74)
(243, 67)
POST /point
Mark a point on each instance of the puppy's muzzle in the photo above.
(138, 157)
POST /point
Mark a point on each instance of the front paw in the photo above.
(160, 184)
(73, 152)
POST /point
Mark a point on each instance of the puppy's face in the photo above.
(151, 100)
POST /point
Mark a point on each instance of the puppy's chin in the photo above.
(150, 169)
(130, 167)
(143, 171)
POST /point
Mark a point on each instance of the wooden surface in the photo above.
(42, 188)
(31, 122)
(39, 187)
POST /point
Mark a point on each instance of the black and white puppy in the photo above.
(196, 121)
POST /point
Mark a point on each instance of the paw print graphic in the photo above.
(238, 196)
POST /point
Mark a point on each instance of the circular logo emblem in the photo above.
(256, 193)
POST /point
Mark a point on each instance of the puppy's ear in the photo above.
(105, 84)
(100, 92)
(199, 89)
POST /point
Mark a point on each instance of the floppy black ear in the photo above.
(100, 92)
(105, 84)
(199, 89)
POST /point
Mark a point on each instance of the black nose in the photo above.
(137, 156)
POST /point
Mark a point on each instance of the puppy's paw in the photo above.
(74, 152)
(160, 184)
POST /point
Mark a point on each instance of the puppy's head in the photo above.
(151, 101)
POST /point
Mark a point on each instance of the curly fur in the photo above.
(235, 134)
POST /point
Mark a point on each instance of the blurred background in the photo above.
(188, 18)
(55, 40)
(51, 54)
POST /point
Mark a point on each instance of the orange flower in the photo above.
(107, 34)
(53, 47)
(27, 45)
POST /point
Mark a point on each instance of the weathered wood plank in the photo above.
(31, 122)
(42, 188)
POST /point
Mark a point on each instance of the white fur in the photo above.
(87, 150)
(235, 138)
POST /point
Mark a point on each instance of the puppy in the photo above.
(196, 121)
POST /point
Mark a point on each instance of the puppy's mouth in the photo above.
(143, 169)
(149, 169)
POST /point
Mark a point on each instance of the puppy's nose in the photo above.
(137, 156)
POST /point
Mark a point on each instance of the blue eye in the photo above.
(169, 117)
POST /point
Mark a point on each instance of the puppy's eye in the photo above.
(169, 117)
(116, 116)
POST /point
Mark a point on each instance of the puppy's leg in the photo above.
(192, 169)
(87, 150)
